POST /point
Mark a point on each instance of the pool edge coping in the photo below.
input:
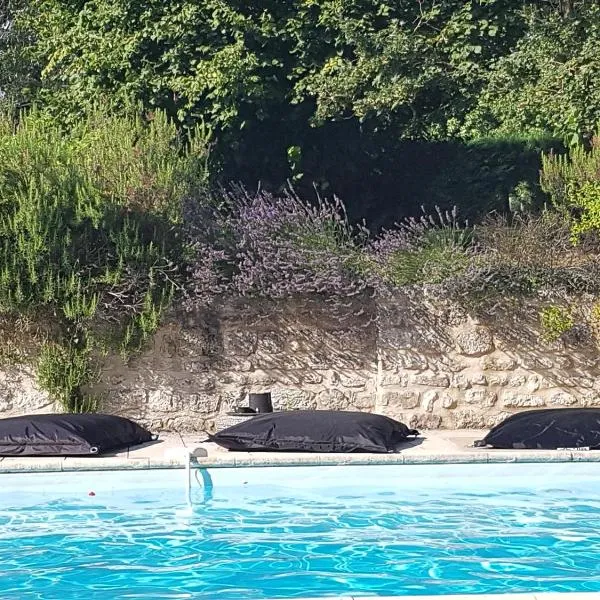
(178, 460)
(507, 596)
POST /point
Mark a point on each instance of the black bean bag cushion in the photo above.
(68, 434)
(315, 431)
(547, 429)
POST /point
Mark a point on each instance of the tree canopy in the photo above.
(326, 92)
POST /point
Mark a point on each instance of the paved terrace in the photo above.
(172, 450)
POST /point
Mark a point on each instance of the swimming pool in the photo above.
(294, 532)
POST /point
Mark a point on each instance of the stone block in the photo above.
(194, 342)
(517, 400)
(318, 361)
(29, 398)
(163, 400)
(483, 398)
(478, 379)
(271, 343)
(411, 334)
(474, 340)
(562, 398)
(591, 398)
(516, 381)
(196, 366)
(201, 403)
(475, 419)
(498, 379)
(536, 382)
(428, 421)
(563, 362)
(260, 379)
(122, 400)
(402, 399)
(583, 382)
(447, 363)
(333, 399)
(428, 400)
(351, 380)
(294, 399)
(431, 379)
(363, 401)
(234, 398)
(309, 376)
(240, 343)
(460, 381)
(448, 401)
(498, 363)
(392, 413)
(238, 379)
(391, 378)
(468, 419)
(537, 362)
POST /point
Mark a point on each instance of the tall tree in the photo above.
(550, 82)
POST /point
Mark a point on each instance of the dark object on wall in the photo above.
(547, 429)
(316, 431)
(68, 434)
(261, 403)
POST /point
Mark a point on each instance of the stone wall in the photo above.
(428, 364)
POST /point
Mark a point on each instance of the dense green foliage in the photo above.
(573, 184)
(549, 82)
(556, 321)
(365, 99)
(87, 233)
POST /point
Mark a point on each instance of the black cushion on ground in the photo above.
(547, 429)
(68, 434)
(315, 431)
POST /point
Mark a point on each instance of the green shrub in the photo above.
(573, 183)
(63, 370)
(89, 232)
(555, 321)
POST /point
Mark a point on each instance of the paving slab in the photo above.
(172, 450)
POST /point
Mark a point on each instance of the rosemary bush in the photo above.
(573, 183)
(89, 233)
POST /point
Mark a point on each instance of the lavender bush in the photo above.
(429, 249)
(282, 247)
(286, 247)
(275, 247)
(210, 256)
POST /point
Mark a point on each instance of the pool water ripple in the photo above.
(239, 544)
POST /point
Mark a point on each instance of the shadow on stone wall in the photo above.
(413, 357)
(442, 367)
(206, 363)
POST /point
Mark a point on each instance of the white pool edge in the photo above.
(523, 596)
(178, 460)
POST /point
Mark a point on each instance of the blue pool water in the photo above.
(292, 532)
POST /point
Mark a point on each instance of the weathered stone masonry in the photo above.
(430, 365)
